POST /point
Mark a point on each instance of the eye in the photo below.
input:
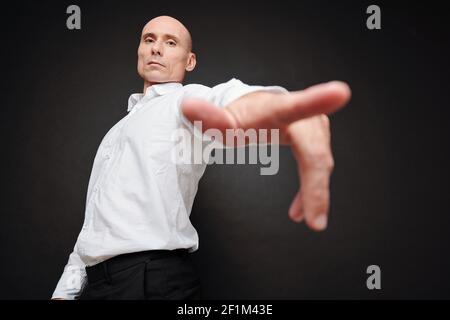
(148, 40)
(172, 43)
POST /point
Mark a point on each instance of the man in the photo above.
(136, 235)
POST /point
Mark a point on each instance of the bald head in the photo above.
(165, 51)
(173, 24)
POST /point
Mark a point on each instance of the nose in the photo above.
(157, 48)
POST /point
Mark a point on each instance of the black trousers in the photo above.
(148, 275)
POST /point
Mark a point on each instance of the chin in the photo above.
(156, 77)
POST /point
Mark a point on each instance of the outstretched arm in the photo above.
(301, 119)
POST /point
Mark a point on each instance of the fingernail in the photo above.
(321, 222)
(336, 82)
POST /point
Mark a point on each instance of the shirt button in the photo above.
(107, 156)
(96, 189)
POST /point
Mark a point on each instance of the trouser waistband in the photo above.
(121, 262)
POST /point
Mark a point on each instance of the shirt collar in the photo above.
(152, 92)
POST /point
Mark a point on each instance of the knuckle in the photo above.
(331, 164)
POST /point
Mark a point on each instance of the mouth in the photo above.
(154, 63)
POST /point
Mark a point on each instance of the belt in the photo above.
(104, 269)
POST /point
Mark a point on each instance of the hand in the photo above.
(300, 117)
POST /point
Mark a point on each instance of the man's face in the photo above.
(164, 53)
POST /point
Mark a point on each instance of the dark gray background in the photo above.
(62, 90)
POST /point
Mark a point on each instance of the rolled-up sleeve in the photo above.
(225, 93)
(222, 95)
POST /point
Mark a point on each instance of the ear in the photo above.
(192, 61)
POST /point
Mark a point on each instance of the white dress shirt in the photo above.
(138, 199)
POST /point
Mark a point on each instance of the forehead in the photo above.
(160, 27)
